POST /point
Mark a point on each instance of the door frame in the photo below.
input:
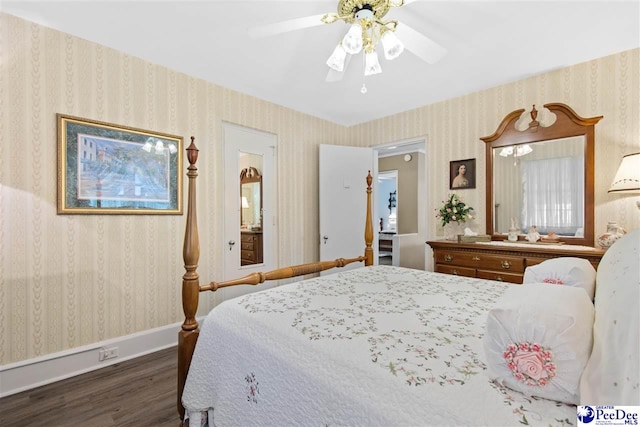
(270, 242)
(404, 146)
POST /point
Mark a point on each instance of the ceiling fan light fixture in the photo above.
(329, 18)
(391, 45)
(523, 150)
(371, 64)
(366, 12)
(337, 58)
(352, 41)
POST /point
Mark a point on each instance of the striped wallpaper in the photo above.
(71, 280)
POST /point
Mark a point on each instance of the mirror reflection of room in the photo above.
(540, 184)
(251, 251)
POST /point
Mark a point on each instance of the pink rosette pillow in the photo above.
(566, 271)
(538, 340)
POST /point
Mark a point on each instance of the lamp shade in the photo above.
(245, 202)
(352, 41)
(337, 58)
(392, 46)
(371, 64)
(627, 178)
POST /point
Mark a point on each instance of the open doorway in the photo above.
(388, 214)
(400, 203)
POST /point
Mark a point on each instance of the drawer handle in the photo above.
(506, 265)
(455, 272)
(448, 258)
(476, 258)
(499, 278)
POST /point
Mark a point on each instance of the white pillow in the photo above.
(538, 340)
(612, 376)
(568, 271)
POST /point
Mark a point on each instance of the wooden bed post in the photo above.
(368, 227)
(191, 288)
(188, 335)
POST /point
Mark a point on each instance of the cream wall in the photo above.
(71, 280)
(67, 281)
(407, 190)
(607, 86)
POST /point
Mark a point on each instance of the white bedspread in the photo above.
(375, 346)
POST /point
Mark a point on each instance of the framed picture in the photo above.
(110, 169)
(462, 174)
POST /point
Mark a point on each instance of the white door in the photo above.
(343, 201)
(243, 148)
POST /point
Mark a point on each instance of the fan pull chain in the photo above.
(363, 89)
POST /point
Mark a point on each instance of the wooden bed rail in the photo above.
(188, 335)
(282, 273)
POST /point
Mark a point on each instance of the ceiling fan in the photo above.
(366, 30)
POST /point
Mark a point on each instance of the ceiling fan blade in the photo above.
(286, 26)
(336, 76)
(419, 44)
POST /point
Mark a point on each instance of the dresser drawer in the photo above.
(479, 260)
(500, 276)
(503, 263)
(247, 246)
(248, 255)
(457, 271)
(246, 238)
(534, 261)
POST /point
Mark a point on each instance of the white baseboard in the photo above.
(39, 371)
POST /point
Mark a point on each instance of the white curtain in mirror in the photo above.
(553, 195)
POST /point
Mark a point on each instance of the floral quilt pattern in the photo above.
(419, 334)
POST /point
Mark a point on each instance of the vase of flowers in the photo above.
(452, 215)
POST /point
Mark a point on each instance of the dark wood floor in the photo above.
(139, 392)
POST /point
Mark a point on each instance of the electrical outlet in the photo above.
(107, 353)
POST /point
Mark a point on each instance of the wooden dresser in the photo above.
(505, 263)
(250, 247)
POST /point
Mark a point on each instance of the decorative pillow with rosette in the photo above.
(567, 271)
(538, 339)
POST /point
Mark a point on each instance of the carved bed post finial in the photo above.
(368, 228)
(188, 334)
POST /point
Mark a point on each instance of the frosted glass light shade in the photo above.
(159, 147)
(392, 46)
(148, 145)
(506, 151)
(371, 64)
(352, 41)
(337, 58)
(627, 179)
(516, 150)
(522, 150)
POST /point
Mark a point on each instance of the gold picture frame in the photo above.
(105, 168)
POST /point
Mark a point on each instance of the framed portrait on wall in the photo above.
(105, 168)
(462, 174)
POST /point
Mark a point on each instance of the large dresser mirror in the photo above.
(542, 175)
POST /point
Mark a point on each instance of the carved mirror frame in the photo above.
(567, 124)
(247, 176)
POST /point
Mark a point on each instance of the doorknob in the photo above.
(231, 243)
(325, 238)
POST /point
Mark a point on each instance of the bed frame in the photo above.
(191, 288)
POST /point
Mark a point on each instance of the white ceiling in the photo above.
(489, 44)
